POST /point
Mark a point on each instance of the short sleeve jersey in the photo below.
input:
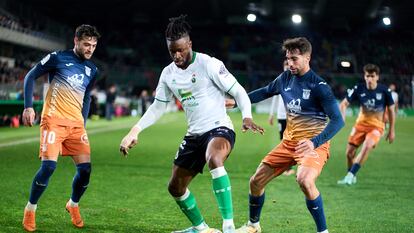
(201, 89)
(372, 103)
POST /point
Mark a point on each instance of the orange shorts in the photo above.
(284, 156)
(58, 139)
(361, 132)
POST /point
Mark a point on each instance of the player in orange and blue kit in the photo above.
(374, 99)
(65, 110)
(309, 104)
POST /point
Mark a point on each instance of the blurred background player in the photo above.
(373, 98)
(65, 110)
(277, 103)
(309, 104)
(200, 82)
(394, 95)
(110, 102)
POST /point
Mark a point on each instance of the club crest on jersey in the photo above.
(223, 70)
(193, 79)
(87, 71)
(294, 106)
(45, 59)
(350, 92)
(306, 94)
(379, 96)
(76, 80)
(84, 139)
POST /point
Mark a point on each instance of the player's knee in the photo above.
(84, 172)
(175, 189)
(369, 144)
(305, 183)
(48, 166)
(214, 161)
(350, 154)
(45, 172)
(255, 184)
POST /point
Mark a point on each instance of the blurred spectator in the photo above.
(93, 111)
(145, 100)
(110, 102)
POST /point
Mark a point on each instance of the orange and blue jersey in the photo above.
(309, 103)
(372, 104)
(71, 80)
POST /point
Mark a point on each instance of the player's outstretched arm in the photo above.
(243, 102)
(154, 112)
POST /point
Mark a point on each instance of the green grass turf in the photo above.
(130, 194)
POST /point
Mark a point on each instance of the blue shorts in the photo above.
(191, 153)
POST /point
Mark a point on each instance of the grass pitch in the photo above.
(130, 194)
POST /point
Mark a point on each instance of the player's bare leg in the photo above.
(358, 161)
(367, 147)
(350, 154)
(217, 152)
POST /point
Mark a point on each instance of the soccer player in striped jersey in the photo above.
(309, 104)
(65, 110)
(200, 82)
(373, 99)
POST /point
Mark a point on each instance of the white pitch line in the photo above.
(92, 131)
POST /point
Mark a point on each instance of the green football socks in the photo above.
(222, 191)
(188, 206)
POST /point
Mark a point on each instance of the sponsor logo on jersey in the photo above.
(69, 64)
(87, 71)
(84, 139)
(288, 89)
(350, 92)
(76, 80)
(306, 94)
(294, 106)
(363, 94)
(223, 70)
(187, 98)
(370, 104)
(45, 59)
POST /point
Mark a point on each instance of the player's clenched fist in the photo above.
(129, 141)
(28, 116)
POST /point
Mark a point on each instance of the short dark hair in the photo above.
(177, 28)
(371, 68)
(300, 43)
(86, 30)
